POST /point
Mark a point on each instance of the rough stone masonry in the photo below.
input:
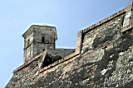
(103, 57)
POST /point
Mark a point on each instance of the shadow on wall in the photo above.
(128, 85)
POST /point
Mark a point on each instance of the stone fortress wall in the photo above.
(103, 58)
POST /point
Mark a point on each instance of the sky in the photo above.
(69, 17)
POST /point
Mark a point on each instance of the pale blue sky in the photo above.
(69, 16)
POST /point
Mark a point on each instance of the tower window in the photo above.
(43, 39)
(28, 41)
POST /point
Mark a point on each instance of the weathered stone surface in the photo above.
(37, 39)
(103, 59)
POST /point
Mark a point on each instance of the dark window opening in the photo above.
(28, 42)
(43, 49)
(43, 39)
(49, 60)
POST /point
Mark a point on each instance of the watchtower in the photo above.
(37, 39)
